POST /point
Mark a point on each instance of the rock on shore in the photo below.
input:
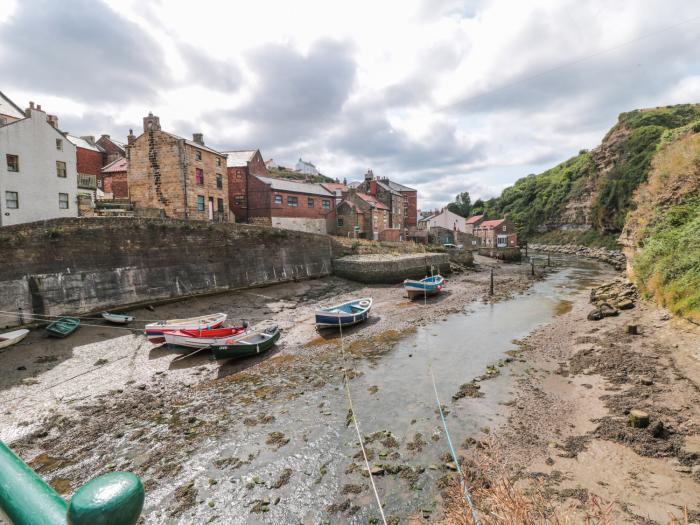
(613, 257)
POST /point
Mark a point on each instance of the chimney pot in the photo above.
(53, 120)
(31, 104)
(131, 137)
(38, 107)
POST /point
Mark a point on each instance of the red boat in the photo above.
(202, 338)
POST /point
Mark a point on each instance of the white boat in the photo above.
(156, 331)
(204, 338)
(11, 338)
(117, 318)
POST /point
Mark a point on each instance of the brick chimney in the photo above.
(198, 138)
(151, 122)
(53, 120)
(130, 137)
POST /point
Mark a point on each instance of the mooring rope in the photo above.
(346, 380)
(49, 318)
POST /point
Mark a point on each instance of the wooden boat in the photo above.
(10, 338)
(249, 344)
(117, 318)
(155, 331)
(203, 338)
(63, 327)
(432, 285)
(345, 314)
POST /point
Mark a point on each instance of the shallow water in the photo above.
(321, 447)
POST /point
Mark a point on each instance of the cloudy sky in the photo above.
(441, 95)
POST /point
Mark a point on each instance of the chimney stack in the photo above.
(151, 122)
(53, 120)
(369, 175)
(105, 136)
(90, 139)
(131, 137)
(38, 107)
(198, 138)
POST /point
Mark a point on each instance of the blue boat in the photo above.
(429, 286)
(345, 314)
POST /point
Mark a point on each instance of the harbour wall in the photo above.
(377, 268)
(82, 265)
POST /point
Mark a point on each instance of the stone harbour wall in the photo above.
(80, 265)
(615, 258)
(389, 269)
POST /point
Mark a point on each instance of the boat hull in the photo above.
(414, 293)
(242, 349)
(63, 327)
(345, 314)
(329, 321)
(429, 286)
(156, 331)
(204, 338)
(12, 338)
(117, 318)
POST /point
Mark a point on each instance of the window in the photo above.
(197, 155)
(218, 161)
(326, 204)
(278, 199)
(61, 169)
(11, 200)
(340, 221)
(292, 201)
(219, 182)
(220, 205)
(199, 176)
(62, 201)
(505, 228)
(200, 202)
(238, 174)
(59, 144)
(310, 203)
(12, 163)
(238, 200)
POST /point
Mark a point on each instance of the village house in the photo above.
(113, 181)
(448, 220)
(290, 205)
(390, 195)
(307, 168)
(361, 215)
(170, 176)
(113, 149)
(472, 222)
(38, 175)
(240, 167)
(497, 233)
(338, 189)
(89, 164)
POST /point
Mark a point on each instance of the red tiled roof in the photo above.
(116, 166)
(491, 224)
(372, 200)
(332, 186)
(474, 218)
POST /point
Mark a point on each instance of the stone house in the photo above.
(175, 177)
(90, 158)
(290, 205)
(472, 222)
(497, 233)
(113, 149)
(448, 220)
(240, 167)
(114, 183)
(361, 215)
(390, 195)
(38, 175)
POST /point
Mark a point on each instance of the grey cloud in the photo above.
(210, 72)
(82, 50)
(93, 123)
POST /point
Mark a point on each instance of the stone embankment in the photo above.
(389, 269)
(613, 257)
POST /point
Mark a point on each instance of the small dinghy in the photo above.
(345, 314)
(429, 286)
(11, 338)
(202, 338)
(63, 327)
(155, 331)
(117, 318)
(252, 343)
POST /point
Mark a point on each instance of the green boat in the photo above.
(251, 344)
(63, 327)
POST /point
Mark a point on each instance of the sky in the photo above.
(441, 95)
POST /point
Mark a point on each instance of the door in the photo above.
(211, 208)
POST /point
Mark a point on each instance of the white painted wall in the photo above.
(300, 224)
(34, 141)
(448, 220)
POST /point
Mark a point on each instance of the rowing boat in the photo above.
(117, 318)
(10, 338)
(202, 338)
(344, 314)
(63, 327)
(156, 331)
(432, 285)
(250, 344)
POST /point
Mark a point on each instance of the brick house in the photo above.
(290, 205)
(114, 182)
(472, 222)
(336, 188)
(497, 233)
(175, 177)
(90, 158)
(362, 215)
(388, 193)
(113, 149)
(240, 167)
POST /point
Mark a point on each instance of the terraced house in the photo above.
(170, 176)
(38, 176)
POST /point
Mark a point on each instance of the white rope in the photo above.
(49, 318)
(357, 425)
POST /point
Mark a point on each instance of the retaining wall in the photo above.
(83, 265)
(390, 269)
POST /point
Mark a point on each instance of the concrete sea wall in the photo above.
(376, 268)
(83, 265)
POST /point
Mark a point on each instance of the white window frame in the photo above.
(61, 201)
(15, 200)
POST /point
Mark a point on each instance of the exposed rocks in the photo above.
(468, 390)
(613, 257)
(638, 419)
(619, 294)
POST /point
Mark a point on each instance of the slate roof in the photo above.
(296, 187)
(195, 144)
(116, 166)
(332, 186)
(398, 187)
(239, 159)
(82, 143)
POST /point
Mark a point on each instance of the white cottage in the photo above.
(38, 175)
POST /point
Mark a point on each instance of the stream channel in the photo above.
(321, 446)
